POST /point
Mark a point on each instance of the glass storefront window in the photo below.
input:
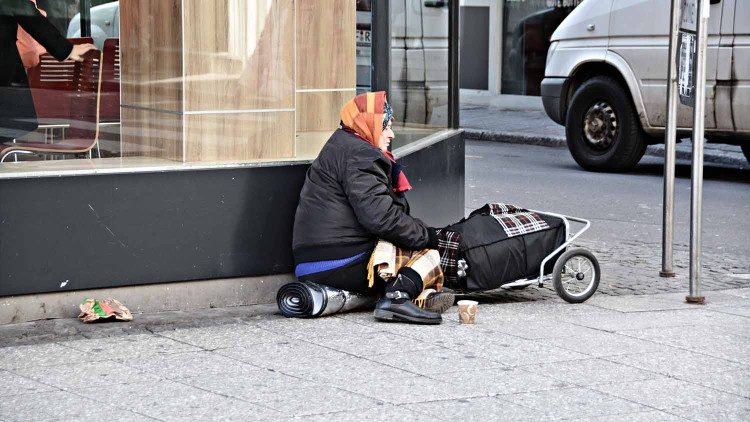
(63, 13)
(105, 21)
(527, 28)
(186, 83)
(504, 43)
(201, 82)
(364, 46)
(419, 68)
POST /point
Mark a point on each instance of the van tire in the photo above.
(613, 139)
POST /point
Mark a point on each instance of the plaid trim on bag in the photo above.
(500, 208)
(521, 223)
(448, 242)
(496, 208)
(514, 220)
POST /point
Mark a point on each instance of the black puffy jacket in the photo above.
(347, 204)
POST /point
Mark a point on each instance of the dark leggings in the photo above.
(352, 277)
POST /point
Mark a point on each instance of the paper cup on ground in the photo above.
(467, 311)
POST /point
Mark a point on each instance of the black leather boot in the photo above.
(396, 306)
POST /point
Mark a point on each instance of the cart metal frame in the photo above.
(568, 240)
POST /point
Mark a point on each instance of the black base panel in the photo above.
(81, 232)
(437, 174)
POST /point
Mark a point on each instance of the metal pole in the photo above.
(453, 65)
(696, 191)
(667, 242)
(85, 20)
(381, 46)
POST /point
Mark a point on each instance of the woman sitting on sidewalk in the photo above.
(353, 197)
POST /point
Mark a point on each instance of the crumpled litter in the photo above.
(103, 310)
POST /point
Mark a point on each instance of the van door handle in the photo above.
(591, 27)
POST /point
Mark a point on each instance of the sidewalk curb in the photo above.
(559, 142)
(515, 138)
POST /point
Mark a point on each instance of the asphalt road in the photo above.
(622, 207)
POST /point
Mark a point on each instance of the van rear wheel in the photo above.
(746, 151)
(602, 127)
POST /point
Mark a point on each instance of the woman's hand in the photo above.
(79, 50)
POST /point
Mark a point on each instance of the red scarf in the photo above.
(400, 182)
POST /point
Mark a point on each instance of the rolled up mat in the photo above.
(305, 299)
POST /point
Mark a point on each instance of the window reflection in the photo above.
(231, 81)
(364, 46)
(419, 68)
(527, 28)
(104, 16)
(48, 104)
(208, 80)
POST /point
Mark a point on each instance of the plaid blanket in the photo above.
(387, 259)
(514, 220)
(448, 242)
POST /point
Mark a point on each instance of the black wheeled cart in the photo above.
(515, 250)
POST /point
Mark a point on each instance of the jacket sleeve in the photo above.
(366, 186)
(33, 22)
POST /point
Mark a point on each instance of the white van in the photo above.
(606, 79)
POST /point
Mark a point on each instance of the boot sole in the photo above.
(440, 302)
(383, 315)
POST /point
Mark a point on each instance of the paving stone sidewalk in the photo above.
(613, 358)
(631, 268)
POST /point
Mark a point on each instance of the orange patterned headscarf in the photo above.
(364, 115)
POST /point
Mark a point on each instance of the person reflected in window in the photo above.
(352, 198)
(17, 112)
(28, 47)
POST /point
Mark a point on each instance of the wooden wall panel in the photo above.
(326, 44)
(151, 52)
(239, 136)
(239, 54)
(309, 144)
(319, 110)
(146, 133)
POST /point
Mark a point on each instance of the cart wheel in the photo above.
(576, 275)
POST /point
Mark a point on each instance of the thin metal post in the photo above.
(453, 64)
(696, 191)
(381, 46)
(667, 243)
(85, 20)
